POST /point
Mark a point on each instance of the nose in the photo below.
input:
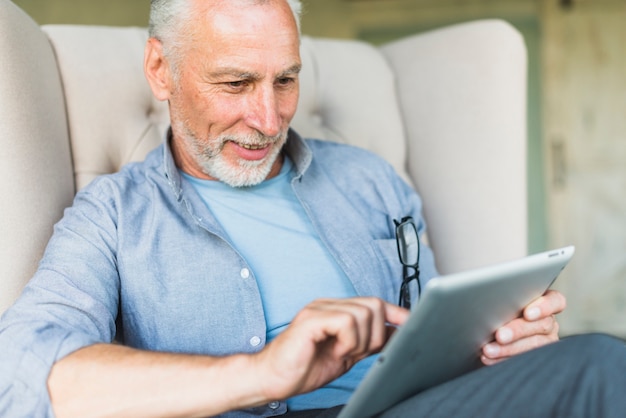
(264, 111)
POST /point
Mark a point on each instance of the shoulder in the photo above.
(329, 152)
(320, 146)
(361, 175)
(347, 157)
(133, 180)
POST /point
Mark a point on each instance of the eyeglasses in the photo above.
(409, 252)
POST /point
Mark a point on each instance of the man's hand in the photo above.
(536, 326)
(324, 341)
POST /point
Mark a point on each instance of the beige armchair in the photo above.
(446, 108)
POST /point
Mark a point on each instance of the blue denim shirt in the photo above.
(139, 256)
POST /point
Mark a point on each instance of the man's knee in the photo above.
(595, 346)
(594, 356)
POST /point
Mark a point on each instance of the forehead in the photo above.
(244, 33)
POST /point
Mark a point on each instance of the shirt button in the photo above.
(245, 273)
(274, 404)
(254, 341)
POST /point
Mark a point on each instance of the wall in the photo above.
(88, 12)
(584, 74)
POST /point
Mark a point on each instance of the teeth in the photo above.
(252, 147)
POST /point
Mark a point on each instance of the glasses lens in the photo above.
(409, 247)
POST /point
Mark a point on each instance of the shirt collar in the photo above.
(169, 166)
(299, 152)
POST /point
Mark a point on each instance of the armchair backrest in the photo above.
(446, 109)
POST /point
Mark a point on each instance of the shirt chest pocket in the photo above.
(387, 253)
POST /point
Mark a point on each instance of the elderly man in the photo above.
(236, 270)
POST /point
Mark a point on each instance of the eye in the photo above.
(239, 84)
(285, 81)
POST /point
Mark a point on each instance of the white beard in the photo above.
(244, 173)
(241, 173)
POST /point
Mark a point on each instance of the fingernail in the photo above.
(492, 350)
(505, 335)
(533, 313)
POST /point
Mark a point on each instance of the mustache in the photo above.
(257, 139)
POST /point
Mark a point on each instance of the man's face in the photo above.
(237, 92)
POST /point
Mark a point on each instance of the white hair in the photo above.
(169, 18)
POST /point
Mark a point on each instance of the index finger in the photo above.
(395, 315)
(391, 315)
(551, 303)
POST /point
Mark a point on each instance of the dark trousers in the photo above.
(582, 376)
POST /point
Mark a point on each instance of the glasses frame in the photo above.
(410, 270)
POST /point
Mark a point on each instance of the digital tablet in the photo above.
(456, 315)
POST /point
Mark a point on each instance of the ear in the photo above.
(157, 70)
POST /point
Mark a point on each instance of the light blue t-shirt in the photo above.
(290, 263)
(269, 227)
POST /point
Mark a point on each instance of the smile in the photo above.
(253, 147)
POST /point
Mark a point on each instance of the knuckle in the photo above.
(347, 320)
(548, 325)
(375, 303)
(304, 314)
(558, 301)
(516, 325)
